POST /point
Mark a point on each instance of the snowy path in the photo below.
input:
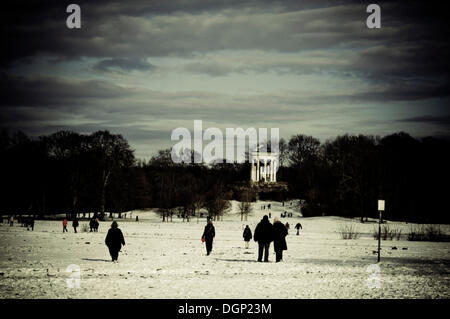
(167, 260)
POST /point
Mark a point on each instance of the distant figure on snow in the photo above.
(208, 236)
(75, 224)
(287, 226)
(30, 223)
(264, 236)
(11, 221)
(247, 236)
(64, 222)
(279, 238)
(96, 224)
(92, 224)
(114, 240)
(298, 227)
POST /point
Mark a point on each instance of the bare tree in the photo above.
(245, 206)
(111, 153)
(216, 203)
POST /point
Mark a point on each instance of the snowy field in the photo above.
(168, 260)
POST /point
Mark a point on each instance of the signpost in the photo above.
(380, 209)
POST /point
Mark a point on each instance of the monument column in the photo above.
(257, 169)
(265, 169)
(271, 170)
(275, 171)
(252, 170)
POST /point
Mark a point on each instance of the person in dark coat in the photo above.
(247, 236)
(264, 236)
(75, 224)
(30, 223)
(114, 240)
(208, 236)
(92, 225)
(279, 238)
(298, 227)
(96, 224)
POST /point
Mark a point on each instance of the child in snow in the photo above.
(247, 236)
(64, 222)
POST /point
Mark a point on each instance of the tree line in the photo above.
(72, 173)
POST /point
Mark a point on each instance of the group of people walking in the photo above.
(75, 224)
(265, 234)
(93, 224)
(114, 239)
(27, 222)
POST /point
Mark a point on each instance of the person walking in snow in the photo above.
(298, 227)
(75, 224)
(64, 222)
(287, 226)
(91, 224)
(208, 236)
(247, 236)
(11, 221)
(96, 224)
(114, 241)
(30, 223)
(279, 238)
(264, 236)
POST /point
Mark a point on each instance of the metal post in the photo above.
(379, 234)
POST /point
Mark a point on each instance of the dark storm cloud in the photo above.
(54, 92)
(109, 103)
(123, 64)
(161, 28)
(444, 120)
(405, 60)
(410, 44)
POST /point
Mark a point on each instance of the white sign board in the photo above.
(381, 205)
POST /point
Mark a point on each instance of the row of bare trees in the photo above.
(346, 175)
(67, 172)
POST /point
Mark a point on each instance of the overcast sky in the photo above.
(144, 68)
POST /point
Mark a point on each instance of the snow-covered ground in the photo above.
(168, 260)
